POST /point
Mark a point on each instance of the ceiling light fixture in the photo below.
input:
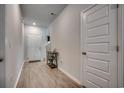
(34, 23)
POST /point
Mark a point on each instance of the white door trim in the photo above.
(120, 44)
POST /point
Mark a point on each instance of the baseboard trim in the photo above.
(19, 74)
(70, 76)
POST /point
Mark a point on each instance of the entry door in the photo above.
(99, 41)
(34, 47)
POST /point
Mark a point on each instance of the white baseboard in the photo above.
(70, 76)
(19, 74)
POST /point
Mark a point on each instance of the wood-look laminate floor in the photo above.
(39, 75)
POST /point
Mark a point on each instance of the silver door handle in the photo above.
(1, 59)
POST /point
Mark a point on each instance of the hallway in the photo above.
(39, 75)
(84, 43)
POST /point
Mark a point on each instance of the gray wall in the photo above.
(2, 46)
(65, 37)
(13, 44)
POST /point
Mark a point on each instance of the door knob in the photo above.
(84, 53)
(1, 59)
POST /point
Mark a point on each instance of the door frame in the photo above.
(121, 45)
(120, 38)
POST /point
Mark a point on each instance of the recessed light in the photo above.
(34, 23)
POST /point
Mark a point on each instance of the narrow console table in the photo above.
(52, 59)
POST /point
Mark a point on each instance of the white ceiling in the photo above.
(40, 13)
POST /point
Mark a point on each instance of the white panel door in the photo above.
(34, 47)
(99, 41)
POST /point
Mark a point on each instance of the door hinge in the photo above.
(117, 48)
(117, 5)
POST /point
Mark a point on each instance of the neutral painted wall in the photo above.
(35, 30)
(123, 42)
(65, 37)
(13, 43)
(2, 45)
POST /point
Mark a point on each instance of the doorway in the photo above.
(34, 47)
(33, 43)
